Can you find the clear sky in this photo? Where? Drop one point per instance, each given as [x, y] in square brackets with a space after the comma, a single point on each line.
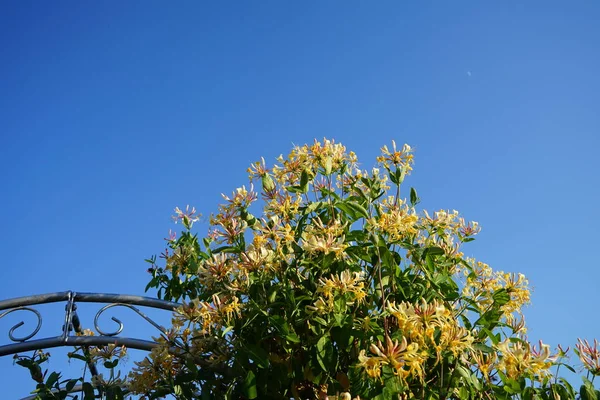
[112, 114]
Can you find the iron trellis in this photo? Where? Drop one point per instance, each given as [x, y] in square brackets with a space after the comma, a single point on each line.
[72, 329]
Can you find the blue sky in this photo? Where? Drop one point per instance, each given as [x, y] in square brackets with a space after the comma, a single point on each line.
[112, 115]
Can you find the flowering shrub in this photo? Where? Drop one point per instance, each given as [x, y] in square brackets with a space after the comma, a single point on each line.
[327, 283]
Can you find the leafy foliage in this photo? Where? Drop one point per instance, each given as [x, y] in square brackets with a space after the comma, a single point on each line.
[326, 283]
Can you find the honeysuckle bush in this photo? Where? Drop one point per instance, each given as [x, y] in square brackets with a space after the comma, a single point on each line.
[325, 282]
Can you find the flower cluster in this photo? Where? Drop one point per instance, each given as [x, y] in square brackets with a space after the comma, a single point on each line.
[521, 359]
[589, 356]
[347, 285]
[325, 239]
[482, 284]
[395, 220]
[404, 359]
[338, 285]
[396, 158]
[209, 316]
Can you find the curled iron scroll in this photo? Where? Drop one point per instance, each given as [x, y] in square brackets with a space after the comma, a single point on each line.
[118, 321]
[18, 325]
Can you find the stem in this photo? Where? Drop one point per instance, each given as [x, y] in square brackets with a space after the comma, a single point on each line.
[442, 394]
[379, 267]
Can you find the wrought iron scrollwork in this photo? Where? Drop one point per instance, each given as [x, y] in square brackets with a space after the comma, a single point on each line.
[19, 324]
[118, 321]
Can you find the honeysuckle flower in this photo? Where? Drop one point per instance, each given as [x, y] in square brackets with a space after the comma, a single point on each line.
[396, 158]
[329, 243]
[396, 220]
[520, 359]
[404, 359]
[589, 355]
[187, 217]
[485, 362]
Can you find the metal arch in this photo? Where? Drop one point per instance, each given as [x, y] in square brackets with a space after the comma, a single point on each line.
[72, 323]
[87, 298]
[76, 388]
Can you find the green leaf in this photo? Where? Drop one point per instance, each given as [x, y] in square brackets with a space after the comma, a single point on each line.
[414, 199]
[226, 331]
[225, 249]
[393, 176]
[360, 210]
[294, 189]
[429, 262]
[328, 165]
[115, 393]
[587, 391]
[111, 364]
[325, 354]
[273, 293]
[483, 348]
[511, 386]
[313, 207]
[469, 377]
[347, 209]
[249, 386]
[88, 391]
[52, 379]
[501, 297]
[258, 355]
[71, 384]
[567, 366]
[433, 251]
[393, 386]
[567, 387]
[489, 319]
[292, 337]
[304, 181]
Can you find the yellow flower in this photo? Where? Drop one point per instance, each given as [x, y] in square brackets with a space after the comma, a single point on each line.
[397, 158]
[485, 362]
[233, 307]
[216, 269]
[323, 244]
[396, 220]
[405, 359]
[258, 169]
[321, 306]
[420, 323]
[107, 352]
[152, 370]
[284, 206]
[371, 365]
[484, 282]
[518, 359]
[347, 282]
[256, 257]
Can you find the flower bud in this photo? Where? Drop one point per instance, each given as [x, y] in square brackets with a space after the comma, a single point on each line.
[267, 183]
